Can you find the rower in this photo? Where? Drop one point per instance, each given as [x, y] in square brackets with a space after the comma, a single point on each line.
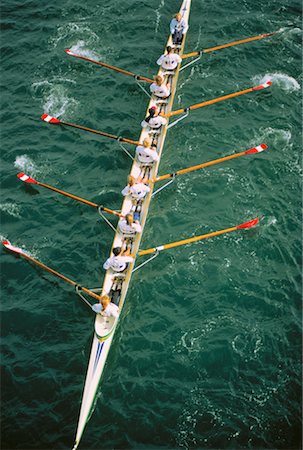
[119, 261]
[170, 60]
[147, 153]
[160, 88]
[178, 27]
[136, 188]
[153, 120]
[106, 308]
[129, 226]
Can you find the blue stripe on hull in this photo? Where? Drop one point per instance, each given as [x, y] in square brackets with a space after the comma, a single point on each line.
[98, 354]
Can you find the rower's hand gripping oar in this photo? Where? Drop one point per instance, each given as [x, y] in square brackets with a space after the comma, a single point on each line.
[108, 66]
[245, 225]
[230, 44]
[49, 119]
[258, 149]
[26, 179]
[219, 99]
[19, 251]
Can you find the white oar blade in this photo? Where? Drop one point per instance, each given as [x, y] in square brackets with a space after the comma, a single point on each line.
[23, 177]
[262, 86]
[49, 119]
[10, 247]
[258, 149]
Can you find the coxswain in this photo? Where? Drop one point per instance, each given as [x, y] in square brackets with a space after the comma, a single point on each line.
[178, 27]
[128, 225]
[169, 60]
[160, 88]
[147, 153]
[153, 120]
[136, 188]
[119, 261]
[106, 308]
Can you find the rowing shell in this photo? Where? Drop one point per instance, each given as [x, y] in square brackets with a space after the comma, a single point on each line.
[105, 327]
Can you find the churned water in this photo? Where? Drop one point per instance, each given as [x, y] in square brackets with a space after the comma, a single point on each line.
[207, 354]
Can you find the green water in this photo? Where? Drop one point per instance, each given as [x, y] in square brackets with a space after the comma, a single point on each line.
[207, 354]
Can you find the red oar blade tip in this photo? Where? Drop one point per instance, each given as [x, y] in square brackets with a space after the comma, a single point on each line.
[23, 177]
[6, 243]
[49, 119]
[258, 149]
[262, 86]
[69, 52]
[249, 224]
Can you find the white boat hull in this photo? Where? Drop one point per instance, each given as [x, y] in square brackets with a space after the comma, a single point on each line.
[100, 347]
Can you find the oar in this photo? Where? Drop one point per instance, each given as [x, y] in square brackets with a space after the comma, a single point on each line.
[108, 66]
[257, 149]
[230, 44]
[23, 177]
[19, 251]
[53, 120]
[219, 99]
[250, 224]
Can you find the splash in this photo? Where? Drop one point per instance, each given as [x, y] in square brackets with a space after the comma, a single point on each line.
[40, 87]
[275, 136]
[10, 208]
[80, 48]
[71, 30]
[25, 164]
[57, 101]
[284, 81]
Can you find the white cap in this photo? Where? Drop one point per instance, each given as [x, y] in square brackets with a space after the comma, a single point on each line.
[97, 308]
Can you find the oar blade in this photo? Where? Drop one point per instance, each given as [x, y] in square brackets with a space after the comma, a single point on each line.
[25, 178]
[69, 52]
[49, 119]
[258, 149]
[262, 86]
[6, 243]
[250, 224]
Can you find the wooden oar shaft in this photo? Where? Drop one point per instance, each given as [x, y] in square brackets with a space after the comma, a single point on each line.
[117, 69]
[209, 102]
[102, 133]
[111, 211]
[185, 241]
[79, 199]
[242, 41]
[230, 44]
[59, 275]
[199, 166]
[67, 194]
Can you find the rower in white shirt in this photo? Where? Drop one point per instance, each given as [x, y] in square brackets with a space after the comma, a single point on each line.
[146, 153]
[128, 225]
[153, 120]
[169, 60]
[160, 88]
[136, 188]
[106, 308]
[119, 261]
[178, 27]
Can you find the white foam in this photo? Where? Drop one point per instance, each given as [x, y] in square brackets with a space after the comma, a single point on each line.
[58, 102]
[72, 29]
[10, 208]
[284, 81]
[80, 48]
[275, 136]
[25, 164]
[158, 15]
